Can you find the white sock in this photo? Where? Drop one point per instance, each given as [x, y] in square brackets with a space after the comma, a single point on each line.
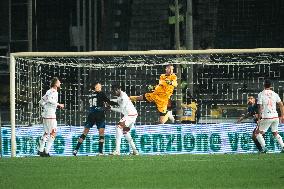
[118, 139]
[279, 140]
[49, 143]
[171, 117]
[261, 140]
[130, 141]
[42, 142]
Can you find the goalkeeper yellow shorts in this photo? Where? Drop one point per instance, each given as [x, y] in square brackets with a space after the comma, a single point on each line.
[161, 101]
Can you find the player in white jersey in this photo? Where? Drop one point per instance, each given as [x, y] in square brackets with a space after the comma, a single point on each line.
[267, 100]
[126, 107]
[49, 103]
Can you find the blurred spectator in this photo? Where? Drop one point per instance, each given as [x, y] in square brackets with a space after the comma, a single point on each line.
[190, 109]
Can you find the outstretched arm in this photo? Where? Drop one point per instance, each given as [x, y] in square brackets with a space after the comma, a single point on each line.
[244, 116]
[115, 109]
[107, 100]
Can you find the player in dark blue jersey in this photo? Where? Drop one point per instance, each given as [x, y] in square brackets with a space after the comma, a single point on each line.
[252, 111]
[98, 101]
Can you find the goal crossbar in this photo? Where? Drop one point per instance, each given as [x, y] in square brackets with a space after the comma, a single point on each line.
[150, 52]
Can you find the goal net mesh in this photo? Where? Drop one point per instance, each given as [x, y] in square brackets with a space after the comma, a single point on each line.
[217, 81]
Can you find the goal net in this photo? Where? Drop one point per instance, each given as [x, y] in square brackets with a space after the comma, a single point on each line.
[219, 81]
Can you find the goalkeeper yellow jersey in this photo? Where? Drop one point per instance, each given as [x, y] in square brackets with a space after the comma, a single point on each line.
[166, 85]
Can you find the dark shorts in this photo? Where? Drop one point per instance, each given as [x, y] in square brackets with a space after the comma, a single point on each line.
[96, 118]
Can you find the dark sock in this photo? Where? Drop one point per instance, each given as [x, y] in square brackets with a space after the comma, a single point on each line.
[79, 143]
[78, 146]
[101, 144]
[258, 146]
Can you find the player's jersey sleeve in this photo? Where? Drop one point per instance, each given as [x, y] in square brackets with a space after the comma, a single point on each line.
[53, 98]
[252, 110]
[125, 105]
[122, 102]
[162, 80]
[173, 78]
[277, 98]
[107, 100]
[256, 109]
[260, 98]
[49, 97]
[50, 103]
[118, 107]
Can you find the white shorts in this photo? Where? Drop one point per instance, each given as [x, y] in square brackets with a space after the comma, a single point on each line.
[129, 120]
[264, 124]
[49, 125]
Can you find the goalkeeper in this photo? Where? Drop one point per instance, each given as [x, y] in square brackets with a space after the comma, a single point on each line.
[161, 93]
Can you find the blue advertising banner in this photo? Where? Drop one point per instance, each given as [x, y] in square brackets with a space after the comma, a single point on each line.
[149, 139]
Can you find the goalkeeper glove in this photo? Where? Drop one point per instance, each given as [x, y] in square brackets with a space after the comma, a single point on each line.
[169, 82]
[150, 87]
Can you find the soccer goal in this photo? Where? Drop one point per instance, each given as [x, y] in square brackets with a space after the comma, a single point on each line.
[218, 80]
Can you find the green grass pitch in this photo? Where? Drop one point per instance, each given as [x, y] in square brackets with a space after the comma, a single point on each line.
[157, 171]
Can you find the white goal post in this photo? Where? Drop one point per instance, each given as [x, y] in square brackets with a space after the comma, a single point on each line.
[138, 62]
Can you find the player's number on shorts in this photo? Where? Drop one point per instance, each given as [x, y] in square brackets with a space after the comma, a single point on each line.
[93, 102]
